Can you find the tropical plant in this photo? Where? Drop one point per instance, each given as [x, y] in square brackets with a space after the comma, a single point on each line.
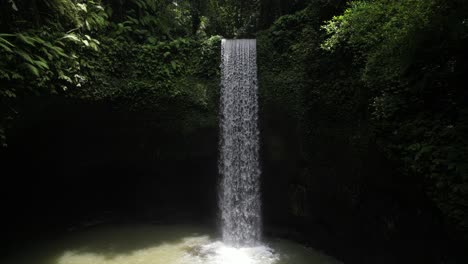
[409, 56]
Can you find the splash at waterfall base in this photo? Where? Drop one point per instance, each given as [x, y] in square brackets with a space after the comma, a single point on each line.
[161, 244]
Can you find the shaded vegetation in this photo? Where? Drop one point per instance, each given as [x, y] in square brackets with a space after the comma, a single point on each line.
[380, 82]
[410, 60]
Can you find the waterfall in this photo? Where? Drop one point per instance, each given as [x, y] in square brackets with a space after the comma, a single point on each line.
[239, 196]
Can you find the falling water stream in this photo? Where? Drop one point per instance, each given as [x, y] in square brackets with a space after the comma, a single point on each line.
[239, 197]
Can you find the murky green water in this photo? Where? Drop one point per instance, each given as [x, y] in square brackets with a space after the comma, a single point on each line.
[161, 245]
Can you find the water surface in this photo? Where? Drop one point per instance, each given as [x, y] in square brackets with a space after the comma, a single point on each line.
[148, 244]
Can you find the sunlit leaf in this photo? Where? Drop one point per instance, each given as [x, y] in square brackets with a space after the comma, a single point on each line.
[33, 69]
[73, 37]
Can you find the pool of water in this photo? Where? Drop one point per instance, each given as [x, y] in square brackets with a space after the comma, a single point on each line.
[151, 244]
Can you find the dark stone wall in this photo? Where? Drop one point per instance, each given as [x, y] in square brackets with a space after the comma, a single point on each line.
[71, 164]
[344, 198]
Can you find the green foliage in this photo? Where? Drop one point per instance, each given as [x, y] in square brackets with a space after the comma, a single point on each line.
[408, 53]
[385, 72]
[148, 21]
[46, 59]
[139, 54]
[297, 75]
[175, 79]
[284, 51]
[381, 33]
[233, 18]
[91, 16]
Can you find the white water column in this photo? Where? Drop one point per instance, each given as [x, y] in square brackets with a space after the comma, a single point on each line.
[239, 195]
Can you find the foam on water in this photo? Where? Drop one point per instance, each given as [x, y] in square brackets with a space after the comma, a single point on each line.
[218, 252]
[191, 250]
